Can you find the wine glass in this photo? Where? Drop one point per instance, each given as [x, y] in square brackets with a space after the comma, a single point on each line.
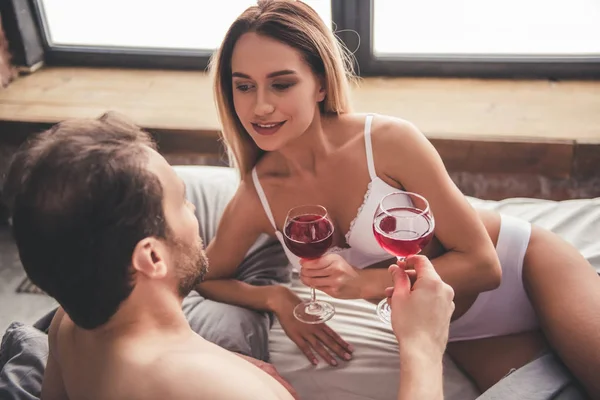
[308, 233]
[403, 225]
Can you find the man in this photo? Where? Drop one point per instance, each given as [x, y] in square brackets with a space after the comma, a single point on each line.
[102, 224]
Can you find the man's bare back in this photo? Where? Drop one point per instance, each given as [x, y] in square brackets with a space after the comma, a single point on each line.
[154, 364]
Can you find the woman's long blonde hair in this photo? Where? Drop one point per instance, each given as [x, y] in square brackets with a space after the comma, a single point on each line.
[299, 26]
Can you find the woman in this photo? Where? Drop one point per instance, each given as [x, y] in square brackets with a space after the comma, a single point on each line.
[281, 85]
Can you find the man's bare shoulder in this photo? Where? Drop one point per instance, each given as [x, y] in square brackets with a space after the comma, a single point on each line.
[202, 376]
[57, 329]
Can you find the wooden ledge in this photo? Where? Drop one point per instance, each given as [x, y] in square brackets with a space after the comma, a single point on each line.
[488, 126]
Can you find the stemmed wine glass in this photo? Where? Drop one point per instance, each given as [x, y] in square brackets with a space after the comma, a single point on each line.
[308, 233]
[403, 225]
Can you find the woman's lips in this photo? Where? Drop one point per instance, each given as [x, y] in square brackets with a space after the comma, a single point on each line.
[267, 129]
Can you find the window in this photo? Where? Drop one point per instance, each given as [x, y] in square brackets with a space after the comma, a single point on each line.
[187, 31]
[476, 38]
[176, 24]
[480, 38]
[487, 27]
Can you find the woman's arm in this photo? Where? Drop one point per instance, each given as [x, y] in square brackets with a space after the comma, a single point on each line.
[242, 221]
[404, 156]
[233, 291]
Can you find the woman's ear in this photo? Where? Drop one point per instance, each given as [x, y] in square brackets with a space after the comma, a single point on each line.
[322, 93]
[149, 258]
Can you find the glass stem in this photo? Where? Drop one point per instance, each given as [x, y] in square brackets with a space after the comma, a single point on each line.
[313, 295]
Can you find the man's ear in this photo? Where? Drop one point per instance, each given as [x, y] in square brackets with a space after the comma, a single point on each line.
[149, 258]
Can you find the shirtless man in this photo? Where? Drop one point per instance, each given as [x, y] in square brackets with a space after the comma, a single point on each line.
[102, 224]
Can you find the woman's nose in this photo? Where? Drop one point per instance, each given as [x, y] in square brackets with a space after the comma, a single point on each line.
[263, 105]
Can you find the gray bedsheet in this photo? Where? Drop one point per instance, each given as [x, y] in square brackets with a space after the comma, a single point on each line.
[542, 379]
[23, 355]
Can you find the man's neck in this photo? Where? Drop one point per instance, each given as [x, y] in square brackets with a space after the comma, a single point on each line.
[145, 313]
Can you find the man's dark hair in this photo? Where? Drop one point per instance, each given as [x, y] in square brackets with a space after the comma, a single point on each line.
[81, 198]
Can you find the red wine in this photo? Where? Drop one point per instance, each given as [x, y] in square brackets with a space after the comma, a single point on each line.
[308, 236]
[403, 232]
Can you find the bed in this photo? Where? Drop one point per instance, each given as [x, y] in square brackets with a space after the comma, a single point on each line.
[373, 373]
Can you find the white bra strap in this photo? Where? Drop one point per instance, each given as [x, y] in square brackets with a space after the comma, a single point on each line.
[369, 147]
[263, 198]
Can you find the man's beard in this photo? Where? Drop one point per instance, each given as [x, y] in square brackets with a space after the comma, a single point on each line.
[191, 265]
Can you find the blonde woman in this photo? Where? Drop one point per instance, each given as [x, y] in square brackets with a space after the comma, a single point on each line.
[282, 88]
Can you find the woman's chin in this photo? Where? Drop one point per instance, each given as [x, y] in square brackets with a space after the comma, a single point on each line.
[270, 148]
[267, 144]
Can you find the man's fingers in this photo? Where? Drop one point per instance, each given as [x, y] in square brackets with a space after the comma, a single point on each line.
[389, 291]
[422, 267]
[401, 280]
[412, 275]
[452, 308]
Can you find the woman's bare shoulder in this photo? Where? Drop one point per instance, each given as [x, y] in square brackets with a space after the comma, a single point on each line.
[387, 126]
[246, 201]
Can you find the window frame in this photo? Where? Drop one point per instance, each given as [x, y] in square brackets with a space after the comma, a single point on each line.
[349, 18]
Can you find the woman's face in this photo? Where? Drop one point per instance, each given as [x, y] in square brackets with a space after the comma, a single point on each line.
[275, 92]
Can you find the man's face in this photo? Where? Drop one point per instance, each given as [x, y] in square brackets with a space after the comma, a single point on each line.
[187, 259]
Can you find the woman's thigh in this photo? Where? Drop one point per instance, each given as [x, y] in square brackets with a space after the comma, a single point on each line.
[565, 292]
[488, 360]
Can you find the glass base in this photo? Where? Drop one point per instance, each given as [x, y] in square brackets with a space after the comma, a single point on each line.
[314, 312]
[384, 311]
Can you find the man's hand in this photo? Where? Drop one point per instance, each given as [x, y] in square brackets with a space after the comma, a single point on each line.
[270, 369]
[421, 321]
[421, 314]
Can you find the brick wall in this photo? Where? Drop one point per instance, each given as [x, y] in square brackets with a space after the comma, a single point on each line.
[498, 186]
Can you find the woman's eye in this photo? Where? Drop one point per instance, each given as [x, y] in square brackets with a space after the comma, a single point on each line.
[282, 86]
[243, 87]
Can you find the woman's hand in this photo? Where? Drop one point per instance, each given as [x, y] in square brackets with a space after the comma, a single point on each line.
[333, 275]
[309, 337]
